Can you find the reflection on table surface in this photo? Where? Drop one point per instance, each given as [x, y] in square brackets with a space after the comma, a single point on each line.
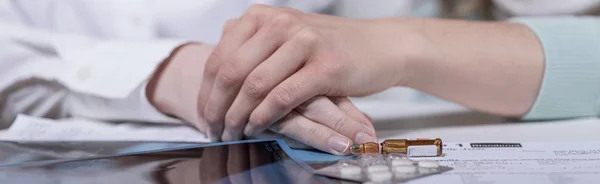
[259, 162]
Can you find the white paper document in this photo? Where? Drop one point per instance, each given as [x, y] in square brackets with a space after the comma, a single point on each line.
[27, 128]
[519, 163]
[473, 162]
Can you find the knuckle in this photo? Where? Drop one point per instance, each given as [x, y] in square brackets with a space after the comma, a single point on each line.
[213, 64]
[256, 11]
[291, 10]
[255, 88]
[331, 70]
[308, 35]
[228, 76]
[259, 119]
[230, 24]
[339, 122]
[284, 97]
[233, 122]
[282, 20]
[312, 135]
[258, 8]
[279, 25]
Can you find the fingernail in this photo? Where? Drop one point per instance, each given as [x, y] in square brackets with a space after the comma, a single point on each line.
[363, 137]
[214, 139]
[249, 130]
[339, 144]
[227, 136]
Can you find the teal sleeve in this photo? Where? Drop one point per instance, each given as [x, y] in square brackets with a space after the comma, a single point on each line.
[571, 82]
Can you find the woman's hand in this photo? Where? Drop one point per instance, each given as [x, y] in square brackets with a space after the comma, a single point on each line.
[272, 60]
[328, 124]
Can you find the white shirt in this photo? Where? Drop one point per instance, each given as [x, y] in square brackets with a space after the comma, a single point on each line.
[91, 58]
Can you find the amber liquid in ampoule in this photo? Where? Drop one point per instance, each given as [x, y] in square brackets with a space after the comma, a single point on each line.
[413, 147]
[369, 147]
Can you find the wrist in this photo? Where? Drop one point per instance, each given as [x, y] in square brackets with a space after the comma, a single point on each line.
[158, 77]
[410, 48]
[166, 90]
[492, 67]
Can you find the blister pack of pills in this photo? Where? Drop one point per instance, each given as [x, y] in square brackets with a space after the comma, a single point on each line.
[378, 168]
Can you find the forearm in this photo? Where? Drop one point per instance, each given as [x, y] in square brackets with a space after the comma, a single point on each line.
[173, 82]
[491, 67]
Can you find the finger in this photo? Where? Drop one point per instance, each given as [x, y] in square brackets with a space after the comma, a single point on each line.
[221, 73]
[313, 134]
[237, 63]
[238, 163]
[213, 63]
[232, 37]
[349, 108]
[323, 111]
[229, 25]
[297, 89]
[232, 74]
[213, 169]
[275, 69]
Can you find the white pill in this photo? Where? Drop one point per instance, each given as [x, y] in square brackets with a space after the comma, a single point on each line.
[401, 162]
[377, 168]
[405, 169]
[344, 163]
[380, 176]
[370, 156]
[429, 163]
[396, 156]
[368, 159]
[351, 170]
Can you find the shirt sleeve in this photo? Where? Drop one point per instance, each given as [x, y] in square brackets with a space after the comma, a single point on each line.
[571, 82]
[58, 75]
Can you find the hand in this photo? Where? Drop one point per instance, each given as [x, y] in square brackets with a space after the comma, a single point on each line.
[271, 60]
[328, 124]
